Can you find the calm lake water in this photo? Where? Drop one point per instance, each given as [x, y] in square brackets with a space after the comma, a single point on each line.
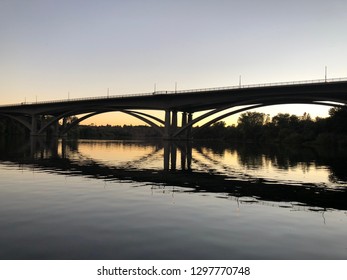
[141, 200]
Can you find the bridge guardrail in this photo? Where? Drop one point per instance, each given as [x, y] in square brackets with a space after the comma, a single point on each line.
[317, 81]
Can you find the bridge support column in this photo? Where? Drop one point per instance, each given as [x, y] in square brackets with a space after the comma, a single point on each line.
[184, 122]
[170, 124]
[54, 147]
[174, 121]
[33, 131]
[55, 127]
[189, 129]
[167, 124]
[63, 127]
[187, 118]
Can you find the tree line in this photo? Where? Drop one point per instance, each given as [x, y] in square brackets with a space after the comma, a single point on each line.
[283, 128]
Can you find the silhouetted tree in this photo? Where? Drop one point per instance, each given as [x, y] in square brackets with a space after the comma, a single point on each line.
[250, 124]
[338, 119]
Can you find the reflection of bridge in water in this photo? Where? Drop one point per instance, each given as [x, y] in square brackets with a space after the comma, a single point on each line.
[40, 149]
[69, 161]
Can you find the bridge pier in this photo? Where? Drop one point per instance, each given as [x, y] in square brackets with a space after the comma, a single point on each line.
[184, 122]
[171, 122]
[189, 129]
[34, 123]
[167, 134]
[174, 121]
[171, 125]
[186, 119]
[63, 127]
[41, 125]
[55, 129]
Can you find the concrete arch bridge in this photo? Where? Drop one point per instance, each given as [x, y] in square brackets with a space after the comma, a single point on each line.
[40, 117]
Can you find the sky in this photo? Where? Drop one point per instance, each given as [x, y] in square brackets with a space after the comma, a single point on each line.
[63, 49]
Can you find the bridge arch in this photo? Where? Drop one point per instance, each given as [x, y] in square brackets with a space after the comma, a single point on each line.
[139, 115]
[20, 120]
[55, 119]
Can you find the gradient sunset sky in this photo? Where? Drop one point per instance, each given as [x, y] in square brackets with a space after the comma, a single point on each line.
[79, 48]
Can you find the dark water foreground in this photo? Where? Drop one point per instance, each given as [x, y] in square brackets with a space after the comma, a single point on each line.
[162, 200]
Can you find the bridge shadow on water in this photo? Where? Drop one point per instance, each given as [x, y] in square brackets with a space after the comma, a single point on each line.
[184, 164]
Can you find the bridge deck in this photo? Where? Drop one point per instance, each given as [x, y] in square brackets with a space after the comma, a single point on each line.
[190, 91]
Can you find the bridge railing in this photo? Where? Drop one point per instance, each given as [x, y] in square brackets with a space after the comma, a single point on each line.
[317, 81]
